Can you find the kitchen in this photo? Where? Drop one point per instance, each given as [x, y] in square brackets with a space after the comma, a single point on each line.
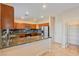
[19, 32]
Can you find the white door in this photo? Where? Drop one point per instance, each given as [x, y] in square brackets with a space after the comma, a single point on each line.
[73, 34]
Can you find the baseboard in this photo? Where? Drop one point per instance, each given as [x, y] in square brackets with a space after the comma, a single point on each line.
[73, 44]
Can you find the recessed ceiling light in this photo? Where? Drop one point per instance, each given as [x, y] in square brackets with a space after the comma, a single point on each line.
[27, 13]
[42, 16]
[44, 6]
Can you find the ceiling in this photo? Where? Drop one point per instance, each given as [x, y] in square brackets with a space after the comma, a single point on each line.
[36, 11]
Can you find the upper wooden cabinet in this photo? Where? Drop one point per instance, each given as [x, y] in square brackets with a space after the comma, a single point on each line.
[0, 16]
[21, 25]
[6, 17]
[45, 24]
[31, 26]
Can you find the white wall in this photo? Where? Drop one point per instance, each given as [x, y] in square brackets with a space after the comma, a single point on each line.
[71, 15]
[58, 29]
[61, 21]
[51, 26]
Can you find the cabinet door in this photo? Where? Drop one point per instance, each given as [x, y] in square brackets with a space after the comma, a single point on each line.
[33, 26]
[19, 26]
[0, 16]
[7, 17]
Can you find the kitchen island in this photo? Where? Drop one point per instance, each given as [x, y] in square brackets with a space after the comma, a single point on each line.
[18, 37]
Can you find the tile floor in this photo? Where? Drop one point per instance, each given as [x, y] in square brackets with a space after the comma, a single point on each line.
[41, 48]
[71, 50]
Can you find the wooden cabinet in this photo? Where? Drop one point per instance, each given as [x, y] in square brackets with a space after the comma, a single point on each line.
[37, 26]
[18, 26]
[6, 16]
[45, 24]
[31, 26]
[21, 25]
[0, 16]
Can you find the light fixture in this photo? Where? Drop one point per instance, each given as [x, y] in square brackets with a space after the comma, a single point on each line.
[26, 13]
[42, 16]
[44, 6]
